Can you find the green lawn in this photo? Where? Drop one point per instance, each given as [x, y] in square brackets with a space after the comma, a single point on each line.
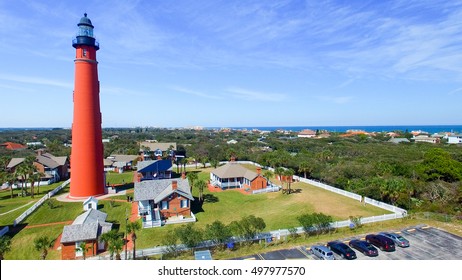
[7, 203]
[22, 247]
[119, 178]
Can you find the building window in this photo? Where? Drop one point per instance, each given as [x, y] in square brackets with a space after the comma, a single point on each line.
[85, 52]
[184, 203]
[164, 205]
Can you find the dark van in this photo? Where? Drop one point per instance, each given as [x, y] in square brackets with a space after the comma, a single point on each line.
[382, 242]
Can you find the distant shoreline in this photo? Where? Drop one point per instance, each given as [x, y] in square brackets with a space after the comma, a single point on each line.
[367, 128]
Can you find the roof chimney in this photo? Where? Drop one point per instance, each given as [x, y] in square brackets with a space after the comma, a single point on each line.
[174, 185]
[259, 170]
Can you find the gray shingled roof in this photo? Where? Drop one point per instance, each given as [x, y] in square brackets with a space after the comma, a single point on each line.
[80, 232]
[159, 189]
[123, 158]
[234, 170]
[46, 161]
[59, 160]
[90, 216]
[87, 226]
[14, 162]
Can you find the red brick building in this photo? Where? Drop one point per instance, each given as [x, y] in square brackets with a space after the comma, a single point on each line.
[233, 175]
[160, 200]
[86, 228]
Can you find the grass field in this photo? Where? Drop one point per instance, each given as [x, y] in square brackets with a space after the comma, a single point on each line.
[278, 210]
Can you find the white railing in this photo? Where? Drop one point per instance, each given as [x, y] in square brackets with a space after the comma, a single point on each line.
[39, 203]
[180, 221]
[329, 188]
[4, 231]
[266, 190]
[385, 206]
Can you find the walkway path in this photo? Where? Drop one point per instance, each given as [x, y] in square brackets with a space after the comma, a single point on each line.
[65, 197]
[217, 189]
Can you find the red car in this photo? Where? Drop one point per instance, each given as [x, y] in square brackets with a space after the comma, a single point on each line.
[382, 242]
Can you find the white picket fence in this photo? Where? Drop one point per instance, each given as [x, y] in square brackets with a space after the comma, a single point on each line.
[274, 188]
[39, 203]
[4, 231]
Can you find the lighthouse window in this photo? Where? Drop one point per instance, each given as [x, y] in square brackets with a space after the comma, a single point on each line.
[84, 52]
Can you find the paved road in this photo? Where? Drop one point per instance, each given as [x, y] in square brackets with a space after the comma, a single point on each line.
[427, 243]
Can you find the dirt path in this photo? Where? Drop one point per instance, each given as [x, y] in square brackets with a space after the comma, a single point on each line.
[50, 224]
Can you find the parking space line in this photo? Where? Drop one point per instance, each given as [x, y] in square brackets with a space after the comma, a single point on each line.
[411, 230]
[250, 259]
[304, 253]
[426, 227]
[261, 257]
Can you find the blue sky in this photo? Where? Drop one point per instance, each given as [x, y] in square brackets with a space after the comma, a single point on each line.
[237, 63]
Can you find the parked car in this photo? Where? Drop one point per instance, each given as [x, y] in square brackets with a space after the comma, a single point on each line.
[398, 239]
[342, 249]
[364, 247]
[382, 242]
[322, 252]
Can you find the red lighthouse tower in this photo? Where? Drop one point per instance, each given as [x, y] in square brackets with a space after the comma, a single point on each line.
[87, 170]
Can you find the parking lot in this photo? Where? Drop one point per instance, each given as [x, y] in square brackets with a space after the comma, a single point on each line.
[426, 243]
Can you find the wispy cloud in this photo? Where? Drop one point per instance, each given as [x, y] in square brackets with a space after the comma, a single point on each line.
[456, 91]
[118, 91]
[344, 84]
[252, 95]
[336, 99]
[194, 92]
[35, 80]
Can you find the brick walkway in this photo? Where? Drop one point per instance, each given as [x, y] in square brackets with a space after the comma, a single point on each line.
[217, 189]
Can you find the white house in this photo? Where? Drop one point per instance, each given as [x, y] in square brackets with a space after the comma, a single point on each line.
[90, 203]
[307, 133]
[455, 139]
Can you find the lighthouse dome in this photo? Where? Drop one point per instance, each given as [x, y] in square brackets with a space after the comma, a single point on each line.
[85, 21]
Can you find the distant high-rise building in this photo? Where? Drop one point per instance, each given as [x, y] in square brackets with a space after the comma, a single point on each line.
[87, 170]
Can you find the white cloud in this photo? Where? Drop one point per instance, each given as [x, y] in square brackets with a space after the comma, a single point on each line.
[194, 92]
[336, 99]
[35, 80]
[252, 95]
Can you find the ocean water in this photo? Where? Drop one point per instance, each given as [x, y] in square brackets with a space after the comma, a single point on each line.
[379, 128]
[382, 128]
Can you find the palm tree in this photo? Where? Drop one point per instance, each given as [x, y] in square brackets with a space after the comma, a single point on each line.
[289, 173]
[42, 244]
[279, 171]
[268, 175]
[10, 178]
[24, 170]
[114, 243]
[200, 185]
[34, 177]
[37, 178]
[83, 248]
[5, 246]
[305, 167]
[21, 172]
[192, 176]
[132, 227]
